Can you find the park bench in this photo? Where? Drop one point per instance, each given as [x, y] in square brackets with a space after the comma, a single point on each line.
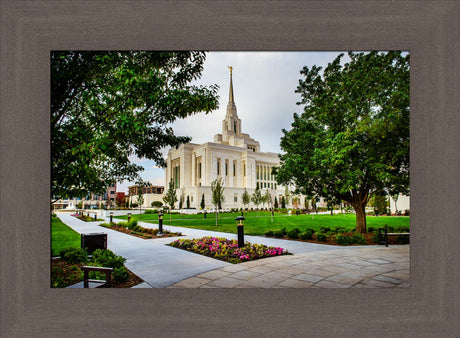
[93, 283]
[384, 234]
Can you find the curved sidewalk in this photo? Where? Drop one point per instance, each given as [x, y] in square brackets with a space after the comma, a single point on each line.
[312, 265]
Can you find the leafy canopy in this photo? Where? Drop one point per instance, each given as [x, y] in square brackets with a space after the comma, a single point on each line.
[353, 137]
[109, 106]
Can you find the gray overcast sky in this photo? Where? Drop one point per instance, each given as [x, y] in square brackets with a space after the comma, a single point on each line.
[264, 86]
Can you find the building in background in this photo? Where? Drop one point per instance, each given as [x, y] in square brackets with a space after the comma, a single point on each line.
[234, 157]
[150, 194]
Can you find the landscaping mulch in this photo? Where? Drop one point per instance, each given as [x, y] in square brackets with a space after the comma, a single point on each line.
[64, 274]
[149, 234]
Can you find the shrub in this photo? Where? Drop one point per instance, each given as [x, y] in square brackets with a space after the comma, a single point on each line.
[339, 230]
[107, 258]
[324, 229]
[406, 212]
[321, 237]
[403, 239]
[278, 233]
[157, 204]
[358, 238]
[370, 229]
[151, 211]
[123, 224]
[343, 239]
[310, 230]
[294, 233]
[307, 235]
[74, 255]
[375, 237]
[269, 233]
[403, 229]
[120, 275]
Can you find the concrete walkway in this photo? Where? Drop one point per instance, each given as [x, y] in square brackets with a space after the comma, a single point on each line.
[312, 265]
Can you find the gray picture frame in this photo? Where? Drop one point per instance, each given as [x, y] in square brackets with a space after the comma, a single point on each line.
[31, 29]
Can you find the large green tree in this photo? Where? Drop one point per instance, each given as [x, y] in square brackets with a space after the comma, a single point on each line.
[353, 137]
[107, 107]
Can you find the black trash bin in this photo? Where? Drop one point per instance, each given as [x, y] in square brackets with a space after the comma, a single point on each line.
[93, 241]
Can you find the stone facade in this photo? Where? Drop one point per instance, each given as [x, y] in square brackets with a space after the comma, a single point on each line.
[234, 157]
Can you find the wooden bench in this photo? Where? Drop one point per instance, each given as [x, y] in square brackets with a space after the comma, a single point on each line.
[94, 283]
[384, 234]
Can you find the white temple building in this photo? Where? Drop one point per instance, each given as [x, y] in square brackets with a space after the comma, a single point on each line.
[233, 156]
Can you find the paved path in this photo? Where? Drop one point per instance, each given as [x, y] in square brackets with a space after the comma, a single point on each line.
[312, 265]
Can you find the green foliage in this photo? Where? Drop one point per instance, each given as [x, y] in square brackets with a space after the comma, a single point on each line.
[343, 239]
[307, 235]
[188, 202]
[202, 203]
[269, 233]
[157, 204]
[170, 198]
[321, 237]
[283, 202]
[151, 211]
[325, 229]
[107, 258]
[74, 255]
[353, 136]
[346, 239]
[217, 189]
[257, 197]
[358, 238]
[245, 197]
[107, 106]
[275, 204]
[120, 275]
[379, 202]
[403, 239]
[294, 233]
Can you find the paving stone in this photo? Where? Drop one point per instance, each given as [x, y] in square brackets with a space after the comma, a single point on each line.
[225, 282]
[378, 261]
[234, 268]
[379, 284]
[261, 269]
[387, 279]
[193, 282]
[214, 274]
[245, 275]
[294, 283]
[308, 278]
[344, 279]
[329, 284]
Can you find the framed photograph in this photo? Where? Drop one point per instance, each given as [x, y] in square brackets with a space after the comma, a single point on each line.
[428, 32]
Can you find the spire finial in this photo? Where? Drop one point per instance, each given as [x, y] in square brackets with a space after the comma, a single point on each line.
[231, 68]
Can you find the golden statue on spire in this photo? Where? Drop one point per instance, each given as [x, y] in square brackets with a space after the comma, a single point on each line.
[231, 68]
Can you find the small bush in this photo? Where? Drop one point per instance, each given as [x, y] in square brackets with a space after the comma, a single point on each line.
[120, 275]
[269, 233]
[107, 258]
[321, 237]
[358, 238]
[370, 229]
[310, 230]
[294, 233]
[339, 230]
[151, 211]
[279, 233]
[324, 229]
[403, 239]
[123, 224]
[74, 255]
[307, 235]
[403, 229]
[406, 212]
[343, 239]
[375, 237]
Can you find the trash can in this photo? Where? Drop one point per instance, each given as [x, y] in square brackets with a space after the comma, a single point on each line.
[93, 241]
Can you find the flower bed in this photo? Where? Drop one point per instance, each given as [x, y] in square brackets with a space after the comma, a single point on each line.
[227, 250]
[86, 218]
[133, 229]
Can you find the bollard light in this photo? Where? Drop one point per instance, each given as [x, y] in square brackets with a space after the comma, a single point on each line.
[111, 217]
[240, 226]
[160, 224]
[129, 217]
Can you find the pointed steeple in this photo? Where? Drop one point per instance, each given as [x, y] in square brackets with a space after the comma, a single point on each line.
[231, 107]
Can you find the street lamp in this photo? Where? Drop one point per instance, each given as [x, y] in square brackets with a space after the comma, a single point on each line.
[129, 217]
[240, 226]
[160, 224]
[111, 216]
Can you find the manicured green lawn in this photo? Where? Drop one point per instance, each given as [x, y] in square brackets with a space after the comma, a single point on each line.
[259, 225]
[62, 236]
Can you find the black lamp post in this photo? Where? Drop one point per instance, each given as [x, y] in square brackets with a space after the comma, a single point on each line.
[160, 224]
[240, 226]
[205, 214]
[111, 217]
[129, 217]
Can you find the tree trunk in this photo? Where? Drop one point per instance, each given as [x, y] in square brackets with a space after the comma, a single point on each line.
[360, 218]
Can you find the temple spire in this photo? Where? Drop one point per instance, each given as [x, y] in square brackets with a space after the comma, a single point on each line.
[231, 101]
